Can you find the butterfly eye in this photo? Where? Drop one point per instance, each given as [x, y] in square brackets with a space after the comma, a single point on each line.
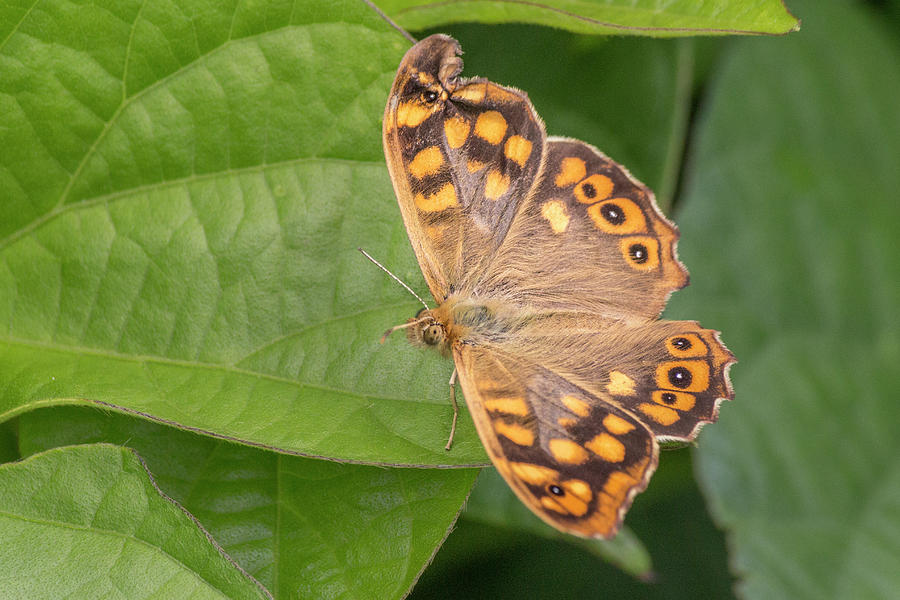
[429, 96]
[433, 334]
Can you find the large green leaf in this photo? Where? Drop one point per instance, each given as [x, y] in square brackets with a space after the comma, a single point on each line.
[182, 244]
[622, 17]
[184, 192]
[303, 528]
[790, 228]
[89, 522]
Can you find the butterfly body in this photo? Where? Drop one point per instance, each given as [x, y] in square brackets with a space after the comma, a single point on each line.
[550, 265]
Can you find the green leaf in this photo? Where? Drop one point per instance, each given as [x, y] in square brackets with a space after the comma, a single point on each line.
[89, 522]
[184, 192]
[302, 527]
[631, 17]
[790, 231]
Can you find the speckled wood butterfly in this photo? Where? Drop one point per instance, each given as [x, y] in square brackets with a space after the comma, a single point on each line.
[550, 265]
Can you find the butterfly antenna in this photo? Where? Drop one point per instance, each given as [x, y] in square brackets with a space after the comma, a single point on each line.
[390, 21]
[397, 279]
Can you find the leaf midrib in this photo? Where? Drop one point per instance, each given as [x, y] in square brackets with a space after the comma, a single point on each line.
[147, 359]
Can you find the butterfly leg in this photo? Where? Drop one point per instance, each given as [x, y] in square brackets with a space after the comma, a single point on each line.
[455, 409]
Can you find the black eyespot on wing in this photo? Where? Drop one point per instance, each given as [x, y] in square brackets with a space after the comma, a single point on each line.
[682, 343]
[555, 490]
[639, 253]
[680, 377]
[613, 213]
[429, 96]
[668, 398]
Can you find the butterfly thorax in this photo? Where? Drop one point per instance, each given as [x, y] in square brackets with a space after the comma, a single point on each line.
[464, 320]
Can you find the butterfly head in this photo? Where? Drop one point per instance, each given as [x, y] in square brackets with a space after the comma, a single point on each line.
[427, 330]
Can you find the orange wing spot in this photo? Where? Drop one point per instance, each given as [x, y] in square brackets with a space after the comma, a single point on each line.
[441, 199]
[661, 414]
[677, 400]
[579, 488]
[607, 447]
[457, 130]
[593, 189]
[495, 185]
[567, 504]
[491, 127]
[620, 384]
[686, 345]
[640, 252]
[435, 232]
[567, 451]
[577, 405]
[474, 92]
[566, 422]
[618, 216]
[617, 425]
[571, 170]
[533, 474]
[517, 149]
[617, 486]
[501, 94]
[424, 78]
[474, 166]
[512, 405]
[514, 433]
[683, 375]
[427, 162]
[557, 215]
[412, 114]
[720, 353]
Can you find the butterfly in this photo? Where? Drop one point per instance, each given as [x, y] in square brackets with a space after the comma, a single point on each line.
[550, 265]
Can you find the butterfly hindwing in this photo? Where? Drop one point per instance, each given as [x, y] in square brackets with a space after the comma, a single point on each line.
[672, 375]
[573, 458]
[462, 154]
[680, 388]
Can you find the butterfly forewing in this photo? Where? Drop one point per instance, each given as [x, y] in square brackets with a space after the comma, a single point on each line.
[590, 238]
[462, 155]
